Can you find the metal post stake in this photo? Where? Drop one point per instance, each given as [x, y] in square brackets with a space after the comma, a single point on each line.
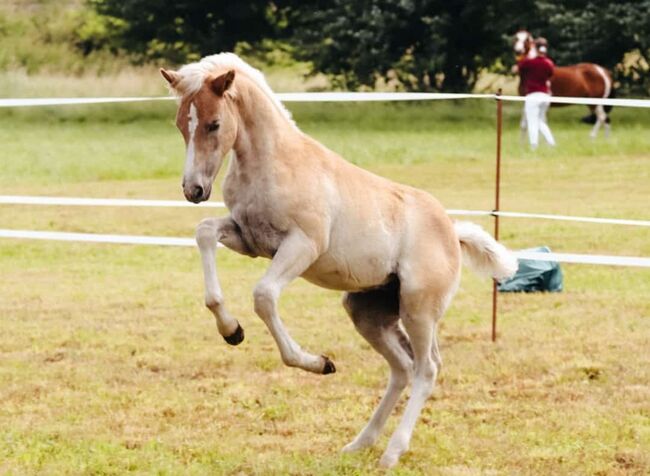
[496, 209]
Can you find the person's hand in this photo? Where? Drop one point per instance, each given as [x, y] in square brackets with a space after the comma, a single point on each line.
[514, 69]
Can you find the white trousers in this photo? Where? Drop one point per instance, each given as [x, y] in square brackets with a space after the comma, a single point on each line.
[535, 108]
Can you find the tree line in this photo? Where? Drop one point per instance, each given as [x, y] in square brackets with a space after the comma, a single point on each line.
[424, 45]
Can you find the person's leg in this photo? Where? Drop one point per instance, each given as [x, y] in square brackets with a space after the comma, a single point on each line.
[543, 125]
[531, 106]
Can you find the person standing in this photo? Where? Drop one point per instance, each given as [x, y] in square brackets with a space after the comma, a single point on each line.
[535, 75]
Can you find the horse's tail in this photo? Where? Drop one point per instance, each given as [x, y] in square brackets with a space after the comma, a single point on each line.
[482, 253]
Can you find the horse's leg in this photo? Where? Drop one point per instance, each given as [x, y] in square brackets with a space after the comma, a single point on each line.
[208, 233]
[294, 256]
[375, 315]
[424, 296]
[601, 119]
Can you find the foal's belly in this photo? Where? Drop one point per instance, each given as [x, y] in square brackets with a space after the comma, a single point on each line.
[349, 272]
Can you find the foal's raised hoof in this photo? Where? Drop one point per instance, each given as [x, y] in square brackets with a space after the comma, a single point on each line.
[236, 337]
[329, 367]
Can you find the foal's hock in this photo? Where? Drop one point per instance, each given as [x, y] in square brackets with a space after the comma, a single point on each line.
[391, 248]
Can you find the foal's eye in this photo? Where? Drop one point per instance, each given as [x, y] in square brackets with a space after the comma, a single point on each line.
[213, 126]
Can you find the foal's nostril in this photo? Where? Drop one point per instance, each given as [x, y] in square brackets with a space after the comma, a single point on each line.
[197, 192]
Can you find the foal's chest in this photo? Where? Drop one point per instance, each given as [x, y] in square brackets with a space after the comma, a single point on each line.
[258, 230]
[254, 205]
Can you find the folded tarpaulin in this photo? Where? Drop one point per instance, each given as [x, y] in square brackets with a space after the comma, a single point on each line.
[534, 276]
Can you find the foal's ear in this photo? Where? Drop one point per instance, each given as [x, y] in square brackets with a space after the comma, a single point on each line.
[220, 84]
[172, 77]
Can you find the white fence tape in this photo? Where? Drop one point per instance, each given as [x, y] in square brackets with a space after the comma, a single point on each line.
[126, 202]
[369, 97]
[609, 221]
[102, 202]
[587, 101]
[97, 238]
[29, 102]
[585, 259]
[331, 97]
[187, 242]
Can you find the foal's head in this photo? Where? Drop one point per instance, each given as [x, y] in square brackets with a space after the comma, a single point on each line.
[207, 120]
[523, 42]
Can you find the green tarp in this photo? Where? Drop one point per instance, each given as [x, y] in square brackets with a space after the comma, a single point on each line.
[534, 276]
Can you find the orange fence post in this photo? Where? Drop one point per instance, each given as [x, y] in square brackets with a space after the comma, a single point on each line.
[496, 209]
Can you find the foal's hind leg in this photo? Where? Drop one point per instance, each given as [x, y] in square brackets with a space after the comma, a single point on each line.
[421, 306]
[375, 315]
[208, 233]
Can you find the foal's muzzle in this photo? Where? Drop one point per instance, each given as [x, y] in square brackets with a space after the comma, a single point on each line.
[196, 193]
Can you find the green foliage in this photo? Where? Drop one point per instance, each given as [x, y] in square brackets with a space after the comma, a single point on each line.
[436, 44]
[404, 44]
[429, 44]
[45, 36]
[98, 32]
[181, 31]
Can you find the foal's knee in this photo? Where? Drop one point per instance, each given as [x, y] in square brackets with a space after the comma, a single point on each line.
[205, 234]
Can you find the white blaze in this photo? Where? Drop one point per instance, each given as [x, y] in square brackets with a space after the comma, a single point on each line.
[192, 123]
[521, 38]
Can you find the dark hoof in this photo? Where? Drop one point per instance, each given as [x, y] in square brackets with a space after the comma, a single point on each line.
[236, 337]
[329, 366]
[589, 119]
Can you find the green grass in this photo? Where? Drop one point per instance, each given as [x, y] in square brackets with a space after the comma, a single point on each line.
[110, 364]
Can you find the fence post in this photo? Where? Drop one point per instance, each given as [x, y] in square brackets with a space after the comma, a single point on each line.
[497, 189]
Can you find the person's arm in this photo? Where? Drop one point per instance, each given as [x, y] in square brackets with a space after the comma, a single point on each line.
[523, 65]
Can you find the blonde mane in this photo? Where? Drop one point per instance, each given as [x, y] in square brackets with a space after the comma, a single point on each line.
[193, 75]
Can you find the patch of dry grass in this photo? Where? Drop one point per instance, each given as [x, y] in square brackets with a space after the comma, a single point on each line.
[110, 364]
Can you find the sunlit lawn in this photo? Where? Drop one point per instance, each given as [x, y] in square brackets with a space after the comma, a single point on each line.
[109, 363]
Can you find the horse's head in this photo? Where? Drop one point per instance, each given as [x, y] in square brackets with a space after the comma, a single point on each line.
[207, 120]
[522, 43]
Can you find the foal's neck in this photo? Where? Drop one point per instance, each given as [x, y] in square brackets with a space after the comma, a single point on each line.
[263, 130]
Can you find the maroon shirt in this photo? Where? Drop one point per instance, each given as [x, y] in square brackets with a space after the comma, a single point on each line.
[535, 74]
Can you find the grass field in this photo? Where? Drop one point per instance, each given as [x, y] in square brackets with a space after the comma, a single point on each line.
[110, 364]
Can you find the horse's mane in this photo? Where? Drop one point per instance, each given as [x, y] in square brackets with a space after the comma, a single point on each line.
[193, 75]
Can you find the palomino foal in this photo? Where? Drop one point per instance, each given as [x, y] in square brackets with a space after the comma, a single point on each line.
[392, 248]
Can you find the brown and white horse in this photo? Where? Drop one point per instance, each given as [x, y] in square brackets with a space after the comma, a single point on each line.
[587, 80]
[393, 249]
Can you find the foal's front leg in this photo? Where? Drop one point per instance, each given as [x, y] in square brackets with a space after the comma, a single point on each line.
[208, 233]
[295, 255]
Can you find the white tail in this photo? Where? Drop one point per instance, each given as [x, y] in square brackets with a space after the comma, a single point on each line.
[483, 254]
